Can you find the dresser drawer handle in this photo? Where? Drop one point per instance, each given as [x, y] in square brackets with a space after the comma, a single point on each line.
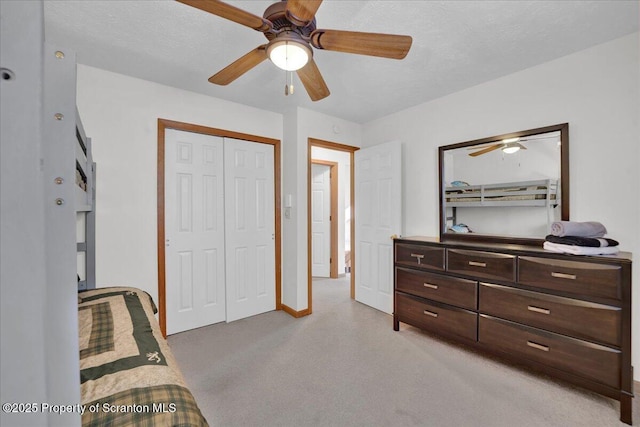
[564, 275]
[430, 313]
[429, 285]
[418, 257]
[537, 346]
[478, 264]
[538, 309]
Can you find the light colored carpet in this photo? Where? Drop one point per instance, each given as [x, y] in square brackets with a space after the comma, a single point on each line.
[345, 366]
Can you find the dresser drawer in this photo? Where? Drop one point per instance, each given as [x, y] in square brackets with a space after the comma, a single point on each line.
[436, 317]
[419, 256]
[581, 278]
[451, 290]
[486, 265]
[580, 319]
[582, 358]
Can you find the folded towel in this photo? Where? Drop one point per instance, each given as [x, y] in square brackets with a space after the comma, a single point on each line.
[582, 241]
[581, 229]
[579, 250]
[460, 228]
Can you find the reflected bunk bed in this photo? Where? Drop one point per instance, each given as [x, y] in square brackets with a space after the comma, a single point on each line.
[536, 193]
[525, 193]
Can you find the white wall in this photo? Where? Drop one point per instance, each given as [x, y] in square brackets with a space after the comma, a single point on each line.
[596, 91]
[120, 114]
[292, 168]
[308, 124]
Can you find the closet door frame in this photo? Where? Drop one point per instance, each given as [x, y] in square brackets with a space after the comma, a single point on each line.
[164, 124]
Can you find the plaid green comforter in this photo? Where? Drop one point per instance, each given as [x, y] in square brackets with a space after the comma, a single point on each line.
[127, 372]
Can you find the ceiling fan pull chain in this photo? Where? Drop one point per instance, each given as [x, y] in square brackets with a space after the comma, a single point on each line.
[291, 82]
[288, 83]
[286, 86]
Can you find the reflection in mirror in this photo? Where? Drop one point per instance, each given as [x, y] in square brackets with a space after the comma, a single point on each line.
[509, 185]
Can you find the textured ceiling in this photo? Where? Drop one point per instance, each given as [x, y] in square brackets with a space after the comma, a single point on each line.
[456, 44]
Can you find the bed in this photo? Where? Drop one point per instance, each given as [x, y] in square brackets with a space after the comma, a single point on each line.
[127, 372]
[526, 193]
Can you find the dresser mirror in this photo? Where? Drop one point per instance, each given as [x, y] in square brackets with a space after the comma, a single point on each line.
[506, 188]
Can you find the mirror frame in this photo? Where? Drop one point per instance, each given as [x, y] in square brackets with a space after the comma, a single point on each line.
[490, 238]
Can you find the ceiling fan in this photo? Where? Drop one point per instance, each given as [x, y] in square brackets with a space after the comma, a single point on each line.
[290, 28]
[509, 145]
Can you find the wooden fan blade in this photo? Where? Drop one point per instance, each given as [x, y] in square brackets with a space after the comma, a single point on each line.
[372, 44]
[476, 147]
[313, 82]
[533, 138]
[231, 13]
[240, 66]
[486, 150]
[301, 12]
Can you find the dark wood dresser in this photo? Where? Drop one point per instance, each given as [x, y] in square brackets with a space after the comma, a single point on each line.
[567, 316]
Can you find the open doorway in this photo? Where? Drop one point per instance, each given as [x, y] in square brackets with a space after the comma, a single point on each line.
[327, 214]
[330, 168]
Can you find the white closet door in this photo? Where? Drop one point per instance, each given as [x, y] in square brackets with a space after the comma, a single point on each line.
[320, 220]
[378, 190]
[250, 228]
[194, 229]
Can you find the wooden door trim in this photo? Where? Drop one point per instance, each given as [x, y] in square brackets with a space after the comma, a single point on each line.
[164, 124]
[313, 142]
[333, 209]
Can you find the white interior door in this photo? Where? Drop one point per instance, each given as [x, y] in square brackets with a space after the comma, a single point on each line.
[250, 228]
[320, 220]
[194, 229]
[378, 216]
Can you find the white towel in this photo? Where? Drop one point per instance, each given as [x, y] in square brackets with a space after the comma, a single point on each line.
[581, 229]
[579, 250]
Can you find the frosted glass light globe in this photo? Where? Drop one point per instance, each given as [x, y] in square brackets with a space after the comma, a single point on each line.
[289, 56]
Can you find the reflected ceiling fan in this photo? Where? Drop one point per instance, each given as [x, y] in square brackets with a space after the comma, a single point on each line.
[509, 145]
[290, 28]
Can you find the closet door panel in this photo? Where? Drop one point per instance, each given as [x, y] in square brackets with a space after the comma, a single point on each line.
[194, 230]
[250, 228]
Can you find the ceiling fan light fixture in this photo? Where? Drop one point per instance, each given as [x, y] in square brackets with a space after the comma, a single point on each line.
[511, 147]
[289, 55]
